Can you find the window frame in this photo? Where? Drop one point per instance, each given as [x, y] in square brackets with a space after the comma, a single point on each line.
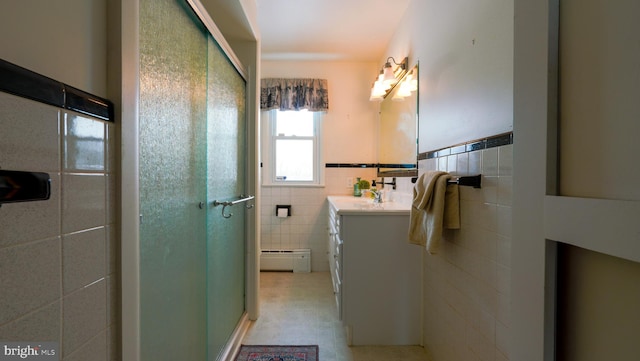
[269, 138]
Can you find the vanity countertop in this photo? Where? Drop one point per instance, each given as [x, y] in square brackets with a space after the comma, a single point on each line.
[365, 206]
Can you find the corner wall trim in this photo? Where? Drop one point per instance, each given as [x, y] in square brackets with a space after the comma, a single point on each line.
[31, 85]
[370, 165]
[479, 144]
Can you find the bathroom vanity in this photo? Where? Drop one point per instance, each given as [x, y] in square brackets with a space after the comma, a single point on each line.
[376, 273]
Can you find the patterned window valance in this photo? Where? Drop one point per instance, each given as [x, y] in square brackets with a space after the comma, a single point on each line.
[294, 94]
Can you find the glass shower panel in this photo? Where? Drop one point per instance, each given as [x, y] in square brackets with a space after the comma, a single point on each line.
[226, 181]
[173, 81]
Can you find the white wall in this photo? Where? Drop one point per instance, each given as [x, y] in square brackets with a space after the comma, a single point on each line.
[466, 284]
[64, 39]
[465, 52]
[600, 83]
[59, 257]
[597, 139]
[349, 136]
[465, 55]
[598, 129]
[350, 127]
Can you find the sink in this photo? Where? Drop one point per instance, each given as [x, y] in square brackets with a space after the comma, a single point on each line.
[354, 204]
[368, 205]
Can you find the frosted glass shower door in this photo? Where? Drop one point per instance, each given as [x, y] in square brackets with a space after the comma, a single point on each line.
[192, 152]
[173, 87]
[226, 154]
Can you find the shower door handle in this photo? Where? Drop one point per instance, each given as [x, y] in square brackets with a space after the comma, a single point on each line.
[225, 204]
[242, 199]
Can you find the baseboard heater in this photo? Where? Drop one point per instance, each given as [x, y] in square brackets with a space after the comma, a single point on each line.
[296, 260]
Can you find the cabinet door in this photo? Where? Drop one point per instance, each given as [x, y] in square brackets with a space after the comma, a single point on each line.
[335, 257]
[331, 244]
[381, 281]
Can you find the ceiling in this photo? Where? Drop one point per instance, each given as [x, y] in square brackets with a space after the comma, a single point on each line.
[355, 30]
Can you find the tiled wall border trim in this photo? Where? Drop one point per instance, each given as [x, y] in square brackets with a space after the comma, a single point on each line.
[486, 143]
[351, 165]
[28, 84]
[368, 165]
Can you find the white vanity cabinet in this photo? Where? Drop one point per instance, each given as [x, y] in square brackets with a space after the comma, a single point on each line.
[335, 256]
[376, 273]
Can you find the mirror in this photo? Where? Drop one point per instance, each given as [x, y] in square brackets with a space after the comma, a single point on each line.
[397, 137]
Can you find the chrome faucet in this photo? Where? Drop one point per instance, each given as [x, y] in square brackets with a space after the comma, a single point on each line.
[377, 195]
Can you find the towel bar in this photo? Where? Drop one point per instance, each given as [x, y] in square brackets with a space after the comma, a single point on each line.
[474, 181]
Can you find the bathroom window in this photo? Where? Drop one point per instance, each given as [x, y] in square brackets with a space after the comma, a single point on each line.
[291, 153]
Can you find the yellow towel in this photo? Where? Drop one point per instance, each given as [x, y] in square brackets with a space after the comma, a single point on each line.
[452, 207]
[434, 206]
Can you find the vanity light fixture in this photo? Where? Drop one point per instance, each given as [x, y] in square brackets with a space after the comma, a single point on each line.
[403, 92]
[409, 84]
[378, 91]
[388, 78]
[412, 81]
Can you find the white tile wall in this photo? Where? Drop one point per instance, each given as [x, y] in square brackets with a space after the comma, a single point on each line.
[466, 284]
[83, 258]
[58, 258]
[307, 226]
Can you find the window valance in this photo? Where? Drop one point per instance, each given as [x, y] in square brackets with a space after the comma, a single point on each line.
[294, 94]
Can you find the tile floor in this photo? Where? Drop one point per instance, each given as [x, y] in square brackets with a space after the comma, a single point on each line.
[299, 309]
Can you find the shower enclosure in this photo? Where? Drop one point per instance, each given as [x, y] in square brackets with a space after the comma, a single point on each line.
[192, 151]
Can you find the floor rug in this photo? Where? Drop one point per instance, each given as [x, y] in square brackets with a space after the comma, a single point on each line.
[277, 353]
